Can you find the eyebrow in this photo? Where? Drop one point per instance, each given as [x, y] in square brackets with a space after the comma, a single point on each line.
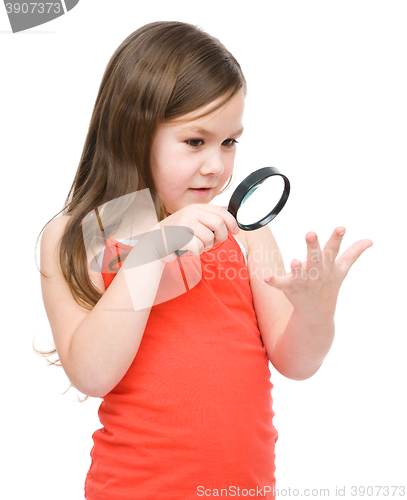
[202, 131]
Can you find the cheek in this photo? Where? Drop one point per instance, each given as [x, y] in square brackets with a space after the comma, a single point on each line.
[172, 160]
[174, 169]
[180, 171]
[229, 163]
[173, 181]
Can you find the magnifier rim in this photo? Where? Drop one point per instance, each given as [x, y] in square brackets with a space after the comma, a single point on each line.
[246, 185]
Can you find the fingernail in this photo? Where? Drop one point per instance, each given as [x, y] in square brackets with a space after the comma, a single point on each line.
[267, 277]
[341, 233]
[311, 240]
[236, 230]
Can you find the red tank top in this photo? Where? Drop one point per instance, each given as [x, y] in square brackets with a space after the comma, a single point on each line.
[194, 410]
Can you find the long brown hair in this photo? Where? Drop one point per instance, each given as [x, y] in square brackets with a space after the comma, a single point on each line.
[161, 71]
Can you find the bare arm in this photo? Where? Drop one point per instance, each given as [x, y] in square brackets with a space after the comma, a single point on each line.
[303, 346]
[296, 311]
[106, 341]
[96, 347]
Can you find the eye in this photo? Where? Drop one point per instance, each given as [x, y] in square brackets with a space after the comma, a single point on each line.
[192, 141]
[233, 141]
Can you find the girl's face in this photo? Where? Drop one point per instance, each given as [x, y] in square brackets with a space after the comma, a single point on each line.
[196, 154]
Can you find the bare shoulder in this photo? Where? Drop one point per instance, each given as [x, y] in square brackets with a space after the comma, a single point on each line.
[50, 240]
[263, 238]
[50, 244]
[55, 229]
[56, 226]
[241, 236]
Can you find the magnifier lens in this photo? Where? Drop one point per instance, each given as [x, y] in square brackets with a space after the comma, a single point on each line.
[252, 190]
[260, 200]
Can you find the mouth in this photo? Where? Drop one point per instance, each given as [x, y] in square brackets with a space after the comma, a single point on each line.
[201, 191]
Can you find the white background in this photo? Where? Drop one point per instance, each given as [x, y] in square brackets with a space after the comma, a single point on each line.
[327, 105]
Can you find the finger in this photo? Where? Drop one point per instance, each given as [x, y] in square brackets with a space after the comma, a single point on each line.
[351, 255]
[280, 282]
[212, 230]
[333, 245]
[296, 268]
[228, 219]
[314, 256]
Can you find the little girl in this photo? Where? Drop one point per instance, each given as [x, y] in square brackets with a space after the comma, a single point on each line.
[185, 382]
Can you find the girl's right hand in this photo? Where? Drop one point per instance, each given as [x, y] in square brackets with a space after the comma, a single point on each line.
[210, 225]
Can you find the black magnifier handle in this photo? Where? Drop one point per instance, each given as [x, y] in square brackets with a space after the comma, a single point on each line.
[248, 186]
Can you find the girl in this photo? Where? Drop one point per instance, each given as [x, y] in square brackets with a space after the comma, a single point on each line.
[185, 382]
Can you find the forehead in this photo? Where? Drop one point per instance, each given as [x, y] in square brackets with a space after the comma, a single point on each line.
[230, 114]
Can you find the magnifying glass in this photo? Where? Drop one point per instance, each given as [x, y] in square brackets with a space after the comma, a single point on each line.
[258, 199]
[263, 193]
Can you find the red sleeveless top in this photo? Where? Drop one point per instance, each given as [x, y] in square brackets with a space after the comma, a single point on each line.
[194, 410]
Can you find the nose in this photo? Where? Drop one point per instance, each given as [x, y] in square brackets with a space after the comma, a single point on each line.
[213, 165]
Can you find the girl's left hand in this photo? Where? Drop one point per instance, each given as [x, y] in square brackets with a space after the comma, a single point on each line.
[312, 287]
